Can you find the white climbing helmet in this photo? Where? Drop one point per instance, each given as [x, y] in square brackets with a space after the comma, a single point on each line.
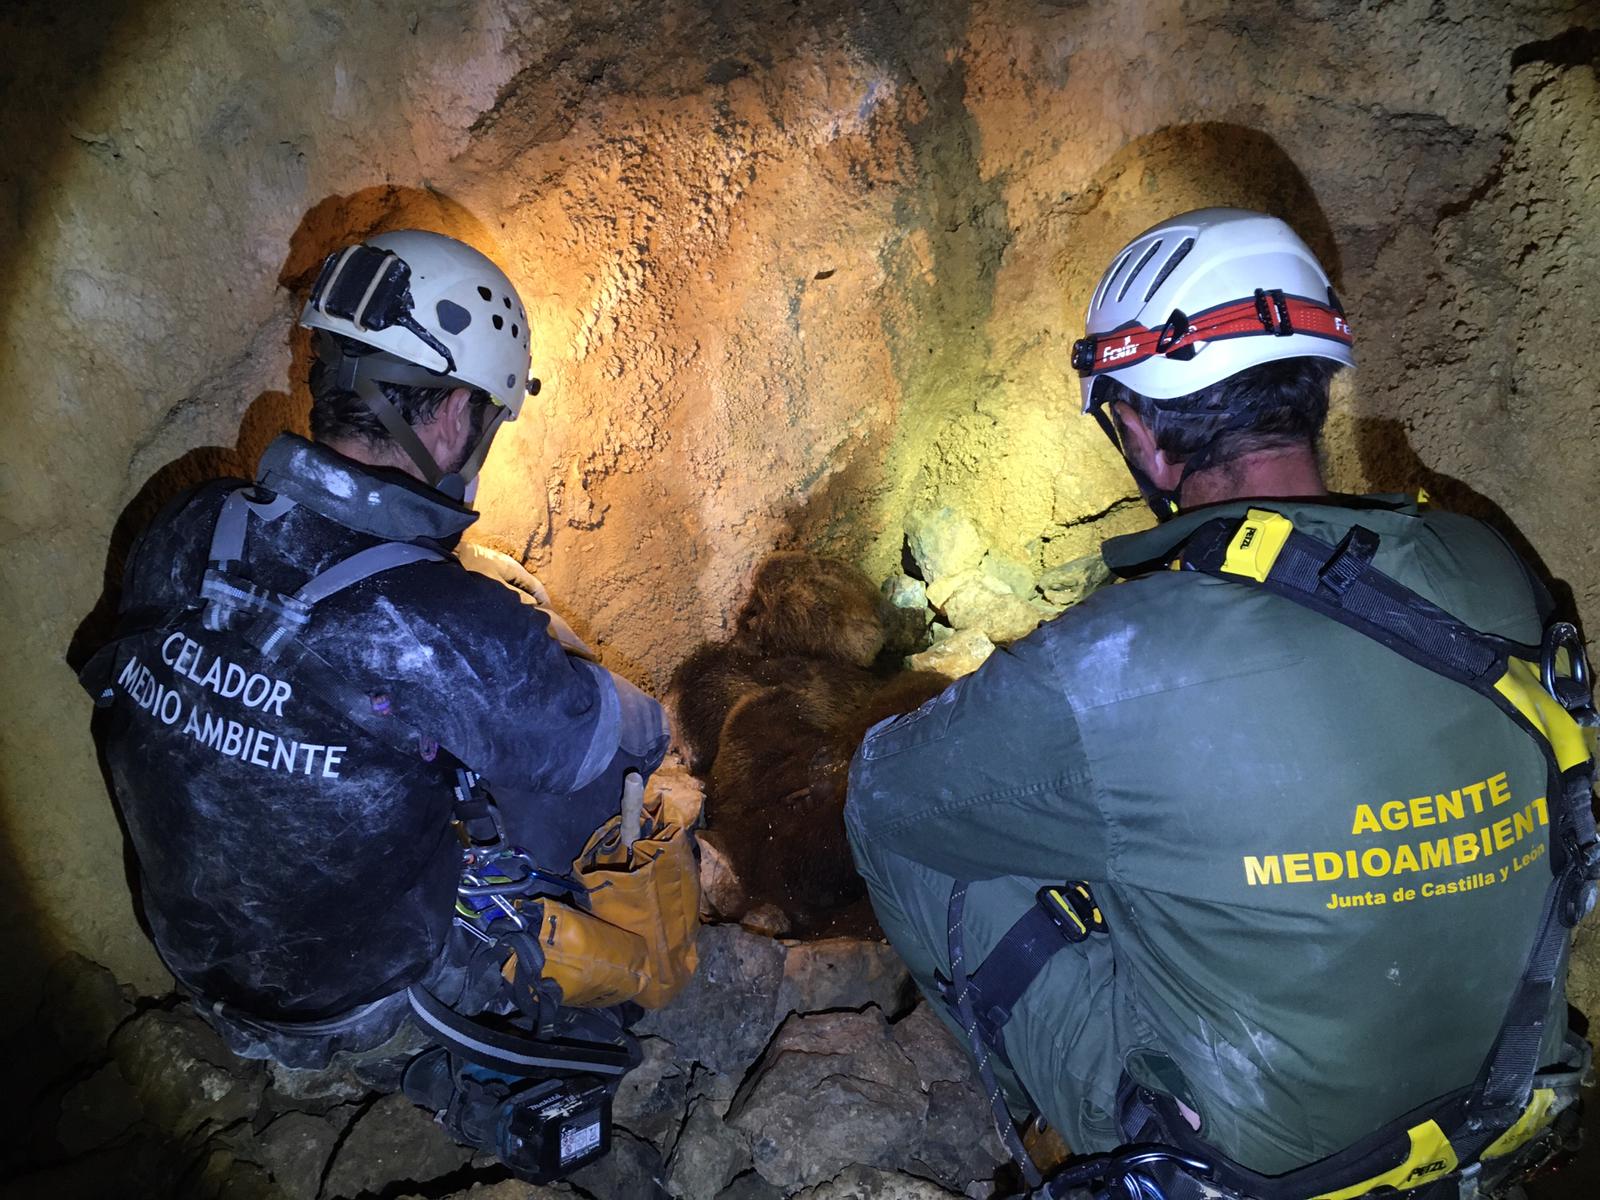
[429, 300]
[1203, 296]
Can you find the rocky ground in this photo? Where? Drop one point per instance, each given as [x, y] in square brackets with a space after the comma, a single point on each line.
[805, 1070]
[785, 1069]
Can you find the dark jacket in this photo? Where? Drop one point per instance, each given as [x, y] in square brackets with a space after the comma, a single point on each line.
[1322, 865]
[291, 864]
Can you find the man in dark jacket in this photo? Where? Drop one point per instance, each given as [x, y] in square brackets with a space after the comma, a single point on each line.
[1313, 867]
[306, 668]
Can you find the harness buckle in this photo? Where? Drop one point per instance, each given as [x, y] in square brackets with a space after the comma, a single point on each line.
[1072, 909]
[1274, 316]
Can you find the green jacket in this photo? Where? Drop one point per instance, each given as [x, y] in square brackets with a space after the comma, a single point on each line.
[1322, 866]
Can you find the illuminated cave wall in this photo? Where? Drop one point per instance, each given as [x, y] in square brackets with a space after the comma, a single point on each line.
[794, 268]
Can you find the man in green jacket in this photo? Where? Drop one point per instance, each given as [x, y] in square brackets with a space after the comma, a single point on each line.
[1319, 866]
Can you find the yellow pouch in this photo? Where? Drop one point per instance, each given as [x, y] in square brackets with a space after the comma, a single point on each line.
[652, 889]
[637, 941]
[593, 962]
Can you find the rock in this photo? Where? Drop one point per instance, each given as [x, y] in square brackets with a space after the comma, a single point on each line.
[959, 654]
[97, 1111]
[932, 1046]
[718, 1086]
[183, 1074]
[135, 1167]
[721, 891]
[724, 1016]
[709, 1153]
[85, 1004]
[766, 919]
[220, 1174]
[906, 614]
[295, 1148]
[980, 602]
[750, 1186]
[943, 542]
[651, 1099]
[312, 1091]
[869, 1183]
[505, 1189]
[676, 788]
[843, 1065]
[1017, 576]
[938, 632]
[941, 589]
[631, 1168]
[957, 1141]
[1069, 583]
[838, 973]
[904, 591]
[393, 1139]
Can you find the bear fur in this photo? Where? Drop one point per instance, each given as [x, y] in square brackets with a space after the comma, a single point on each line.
[771, 718]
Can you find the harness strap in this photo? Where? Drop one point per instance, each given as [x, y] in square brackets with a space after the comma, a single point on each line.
[228, 595]
[1340, 582]
[479, 1043]
[1060, 917]
[960, 998]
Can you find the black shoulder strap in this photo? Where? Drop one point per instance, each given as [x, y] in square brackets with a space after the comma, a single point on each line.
[1265, 550]
[272, 621]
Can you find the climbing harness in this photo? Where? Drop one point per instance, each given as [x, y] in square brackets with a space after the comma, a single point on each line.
[1515, 1117]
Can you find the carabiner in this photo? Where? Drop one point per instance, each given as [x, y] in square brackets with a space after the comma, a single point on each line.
[1573, 690]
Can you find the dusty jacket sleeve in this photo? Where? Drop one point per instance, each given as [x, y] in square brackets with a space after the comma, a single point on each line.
[471, 665]
[986, 779]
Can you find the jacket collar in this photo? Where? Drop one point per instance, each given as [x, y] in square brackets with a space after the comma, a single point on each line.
[373, 500]
[1135, 553]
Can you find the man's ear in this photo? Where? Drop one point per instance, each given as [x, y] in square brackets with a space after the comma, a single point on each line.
[1139, 443]
[456, 412]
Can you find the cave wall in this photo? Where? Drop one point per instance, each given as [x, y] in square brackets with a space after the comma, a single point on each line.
[794, 268]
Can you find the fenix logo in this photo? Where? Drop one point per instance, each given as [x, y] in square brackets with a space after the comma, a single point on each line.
[1113, 353]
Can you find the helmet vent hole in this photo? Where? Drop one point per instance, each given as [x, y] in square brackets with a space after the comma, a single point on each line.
[506, 300]
[452, 317]
[1111, 278]
[486, 293]
[515, 332]
[1134, 274]
[1171, 265]
[499, 321]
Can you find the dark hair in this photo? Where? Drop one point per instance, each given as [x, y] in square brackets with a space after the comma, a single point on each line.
[1264, 407]
[338, 414]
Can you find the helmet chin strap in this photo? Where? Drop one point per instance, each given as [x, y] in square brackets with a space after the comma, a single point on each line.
[361, 375]
[1163, 503]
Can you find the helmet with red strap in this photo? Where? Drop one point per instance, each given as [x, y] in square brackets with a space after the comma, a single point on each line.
[1200, 298]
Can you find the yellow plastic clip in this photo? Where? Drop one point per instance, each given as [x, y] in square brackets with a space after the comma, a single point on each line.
[1067, 910]
[1257, 544]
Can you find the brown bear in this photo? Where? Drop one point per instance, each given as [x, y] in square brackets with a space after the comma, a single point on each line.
[771, 718]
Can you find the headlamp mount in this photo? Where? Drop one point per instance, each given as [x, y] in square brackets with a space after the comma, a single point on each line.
[371, 288]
